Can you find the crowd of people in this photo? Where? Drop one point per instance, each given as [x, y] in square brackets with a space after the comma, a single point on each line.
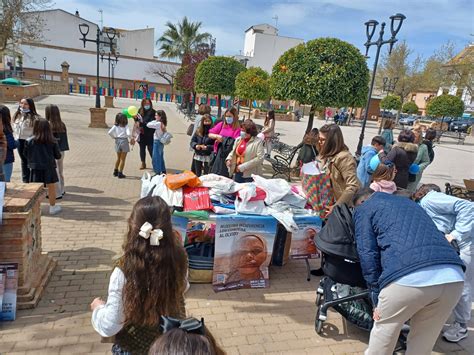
[41, 144]
[414, 242]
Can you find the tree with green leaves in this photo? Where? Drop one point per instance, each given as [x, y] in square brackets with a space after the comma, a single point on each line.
[391, 102]
[324, 72]
[252, 84]
[216, 75]
[445, 106]
[182, 38]
[410, 107]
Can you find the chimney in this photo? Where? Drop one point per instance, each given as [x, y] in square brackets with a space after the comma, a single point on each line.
[77, 13]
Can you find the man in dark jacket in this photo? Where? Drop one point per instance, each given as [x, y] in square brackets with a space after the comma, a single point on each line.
[411, 270]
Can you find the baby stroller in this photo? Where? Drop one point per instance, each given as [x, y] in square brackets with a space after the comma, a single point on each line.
[343, 287]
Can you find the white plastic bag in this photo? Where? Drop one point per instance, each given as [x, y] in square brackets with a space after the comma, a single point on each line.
[171, 197]
[276, 189]
[251, 207]
[294, 200]
[146, 184]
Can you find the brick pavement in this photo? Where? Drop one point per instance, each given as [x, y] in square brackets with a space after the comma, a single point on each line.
[86, 237]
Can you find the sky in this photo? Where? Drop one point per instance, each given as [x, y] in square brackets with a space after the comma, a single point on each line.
[429, 24]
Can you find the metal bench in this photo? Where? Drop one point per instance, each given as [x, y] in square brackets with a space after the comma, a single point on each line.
[466, 193]
[458, 136]
[283, 162]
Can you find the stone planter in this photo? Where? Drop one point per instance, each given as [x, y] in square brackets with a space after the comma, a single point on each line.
[21, 242]
[109, 101]
[98, 118]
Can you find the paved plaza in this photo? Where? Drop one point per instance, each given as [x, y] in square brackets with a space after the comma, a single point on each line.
[86, 238]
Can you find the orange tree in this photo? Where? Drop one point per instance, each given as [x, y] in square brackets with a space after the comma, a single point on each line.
[252, 84]
[323, 72]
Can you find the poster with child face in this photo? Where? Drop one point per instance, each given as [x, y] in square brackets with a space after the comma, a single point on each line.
[243, 251]
[302, 241]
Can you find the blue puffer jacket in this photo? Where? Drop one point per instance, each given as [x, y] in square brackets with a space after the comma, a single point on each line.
[396, 237]
[363, 169]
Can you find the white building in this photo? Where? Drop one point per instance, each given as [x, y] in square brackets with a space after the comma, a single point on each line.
[263, 46]
[61, 42]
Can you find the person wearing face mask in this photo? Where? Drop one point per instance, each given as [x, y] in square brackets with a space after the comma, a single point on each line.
[146, 114]
[202, 146]
[246, 157]
[23, 121]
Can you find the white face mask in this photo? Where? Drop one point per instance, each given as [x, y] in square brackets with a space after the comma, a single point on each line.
[24, 110]
[229, 120]
[243, 135]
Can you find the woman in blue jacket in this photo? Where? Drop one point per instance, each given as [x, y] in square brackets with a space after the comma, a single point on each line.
[454, 217]
[411, 270]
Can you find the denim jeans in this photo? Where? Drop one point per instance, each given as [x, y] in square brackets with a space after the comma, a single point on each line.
[7, 170]
[462, 311]
[158, 159]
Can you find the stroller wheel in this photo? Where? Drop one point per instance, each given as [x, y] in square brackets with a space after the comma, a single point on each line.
[319, 326]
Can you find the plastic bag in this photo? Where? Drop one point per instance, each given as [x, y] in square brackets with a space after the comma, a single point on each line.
[196, 198]
[171, 197]
[146, 184]
[175, 181]
[251, 207]
[275, 189]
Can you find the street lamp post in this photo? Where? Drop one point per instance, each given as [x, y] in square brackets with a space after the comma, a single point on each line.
[44, 67]
[111, 33]
[387, 87]
[395, 25]
[112, 63]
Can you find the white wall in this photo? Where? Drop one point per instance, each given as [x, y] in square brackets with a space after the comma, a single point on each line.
[269, 48]
[143, 40]
[85, 63]
[249, 44]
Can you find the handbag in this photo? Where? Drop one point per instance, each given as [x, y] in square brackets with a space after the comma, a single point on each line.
[190, 129]
[317, 187]
[166, 138]
[201, 262]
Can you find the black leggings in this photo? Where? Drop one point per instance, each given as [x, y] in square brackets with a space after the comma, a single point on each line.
[25, 171]
[200, 167]
[144, 145]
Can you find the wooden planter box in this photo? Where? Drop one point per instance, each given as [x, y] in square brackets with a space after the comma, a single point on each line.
[256, 114]
[20, 241]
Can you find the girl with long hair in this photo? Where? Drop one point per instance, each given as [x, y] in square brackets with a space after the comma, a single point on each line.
[159, 125]
[339, 163]
[146, 114]
[269, 130]
[11, 143]
[42, 151]
[202, 146]
[120, 132]
[23, 122]
[53, 115]
[148, 281]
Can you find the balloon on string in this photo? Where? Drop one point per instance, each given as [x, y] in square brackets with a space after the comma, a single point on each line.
[374, 162]
[125, 112]
[132, 110]
[414, 169]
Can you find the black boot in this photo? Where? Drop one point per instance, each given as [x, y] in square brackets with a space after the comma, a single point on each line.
[116, 172]
[121, 176]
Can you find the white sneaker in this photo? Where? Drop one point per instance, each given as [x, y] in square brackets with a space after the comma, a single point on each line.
[54, 209]
[455, 333]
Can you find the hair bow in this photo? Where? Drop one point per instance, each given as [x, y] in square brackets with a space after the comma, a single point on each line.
[147, 232]
[189, 325]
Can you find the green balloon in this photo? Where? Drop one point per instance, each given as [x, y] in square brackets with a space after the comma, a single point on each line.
[125, 112]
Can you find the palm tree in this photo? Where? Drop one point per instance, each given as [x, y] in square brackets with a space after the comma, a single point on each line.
[182, 38]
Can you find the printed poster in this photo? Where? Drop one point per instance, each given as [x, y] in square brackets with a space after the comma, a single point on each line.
[180, 226]
[243, 251]
[302, 241]
[10, 293]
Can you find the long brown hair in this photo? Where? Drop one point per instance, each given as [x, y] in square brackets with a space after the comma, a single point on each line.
[384, 172]
[42, 132]
[201, 131]
[53, 116]
[334, 143]
[156, 275]
[270, 116]
[5, 118]
[141, 111]
[163, 118]
[33, 114]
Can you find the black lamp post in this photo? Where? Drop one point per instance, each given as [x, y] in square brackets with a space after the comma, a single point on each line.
[111, 61]
[395, 25]
[44, 67]
[387, 87]
[114, 64]
[111, 33]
